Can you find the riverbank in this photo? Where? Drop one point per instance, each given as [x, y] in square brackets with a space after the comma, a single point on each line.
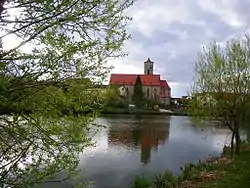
[111, 110]
[177, 112]
[221, 172]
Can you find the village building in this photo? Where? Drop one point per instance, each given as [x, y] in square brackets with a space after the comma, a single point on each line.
[153, 87]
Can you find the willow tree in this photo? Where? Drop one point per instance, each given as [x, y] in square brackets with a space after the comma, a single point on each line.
[59, 53]
[221, 89]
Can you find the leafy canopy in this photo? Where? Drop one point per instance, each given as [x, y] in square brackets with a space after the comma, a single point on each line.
[59, 55]
[222, 75]
[221, 90]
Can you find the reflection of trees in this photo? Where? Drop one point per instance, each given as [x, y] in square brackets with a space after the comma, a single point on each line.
[145, 155]
[147, 133]
[136, 133]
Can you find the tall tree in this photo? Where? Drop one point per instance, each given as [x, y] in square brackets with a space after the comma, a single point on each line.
[56, 42]
[138, 96]
[221, 89]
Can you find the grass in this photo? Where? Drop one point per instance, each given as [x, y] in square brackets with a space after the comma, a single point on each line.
[233, 175]
[222, 172]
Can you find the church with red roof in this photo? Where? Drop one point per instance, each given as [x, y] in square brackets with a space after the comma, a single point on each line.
[153, 86]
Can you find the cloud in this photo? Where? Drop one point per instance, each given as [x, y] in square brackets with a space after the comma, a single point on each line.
[172, 32]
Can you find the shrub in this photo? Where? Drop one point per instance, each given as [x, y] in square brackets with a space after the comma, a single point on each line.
[167, 180]
[141, 182]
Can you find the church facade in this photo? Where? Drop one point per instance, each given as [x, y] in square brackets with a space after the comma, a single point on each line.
[154, 88]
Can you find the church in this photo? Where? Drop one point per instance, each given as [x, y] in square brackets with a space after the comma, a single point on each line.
[153, 87]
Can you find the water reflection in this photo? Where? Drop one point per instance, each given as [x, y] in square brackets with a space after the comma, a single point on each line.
[129, 142]
[146, 134]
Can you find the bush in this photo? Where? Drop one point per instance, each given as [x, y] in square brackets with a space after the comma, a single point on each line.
[141, 182]
[187, 172]
[167, 180]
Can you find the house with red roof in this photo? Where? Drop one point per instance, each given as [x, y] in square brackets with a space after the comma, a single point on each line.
[154, 88]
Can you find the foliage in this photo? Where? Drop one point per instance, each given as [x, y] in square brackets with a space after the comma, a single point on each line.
[141, 182]
[232, 176]
[184, 102]
[225, 172]
[221, 88]
[111, 98]
[59, 55]
[167, 180]
[138, 93]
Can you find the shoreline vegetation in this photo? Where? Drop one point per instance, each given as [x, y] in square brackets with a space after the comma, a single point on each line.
[214, 172]
[114, 111]
[176, 112]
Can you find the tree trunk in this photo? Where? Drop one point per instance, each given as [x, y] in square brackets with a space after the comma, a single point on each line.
[232, 144]
[237, 138]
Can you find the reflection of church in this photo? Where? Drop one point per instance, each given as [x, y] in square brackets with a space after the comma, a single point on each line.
[148, 135]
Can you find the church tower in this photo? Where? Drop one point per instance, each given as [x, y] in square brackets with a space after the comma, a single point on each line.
[148, 67]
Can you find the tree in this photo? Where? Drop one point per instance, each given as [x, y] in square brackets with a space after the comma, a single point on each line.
[221, 89]
[112, 98]
[138, 93]
[56, 41]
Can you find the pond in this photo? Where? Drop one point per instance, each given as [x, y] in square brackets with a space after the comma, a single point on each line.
[146, 145]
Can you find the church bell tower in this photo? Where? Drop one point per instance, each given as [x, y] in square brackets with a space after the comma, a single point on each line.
[148, 67]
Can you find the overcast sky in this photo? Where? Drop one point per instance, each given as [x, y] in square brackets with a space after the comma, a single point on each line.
[171, 33]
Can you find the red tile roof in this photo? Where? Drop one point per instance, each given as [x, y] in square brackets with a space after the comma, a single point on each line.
[164, 84]
[150, 80]
[122, 79]
[147, 80]
[129, 79]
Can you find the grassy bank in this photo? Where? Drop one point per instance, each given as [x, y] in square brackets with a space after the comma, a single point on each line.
[221, 172]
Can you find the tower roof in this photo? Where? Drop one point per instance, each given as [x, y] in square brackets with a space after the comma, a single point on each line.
[149, 61]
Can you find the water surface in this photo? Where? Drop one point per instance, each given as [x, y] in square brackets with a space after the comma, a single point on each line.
[146, 145]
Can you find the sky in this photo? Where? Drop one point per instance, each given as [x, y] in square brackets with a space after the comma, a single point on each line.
[172, 32]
